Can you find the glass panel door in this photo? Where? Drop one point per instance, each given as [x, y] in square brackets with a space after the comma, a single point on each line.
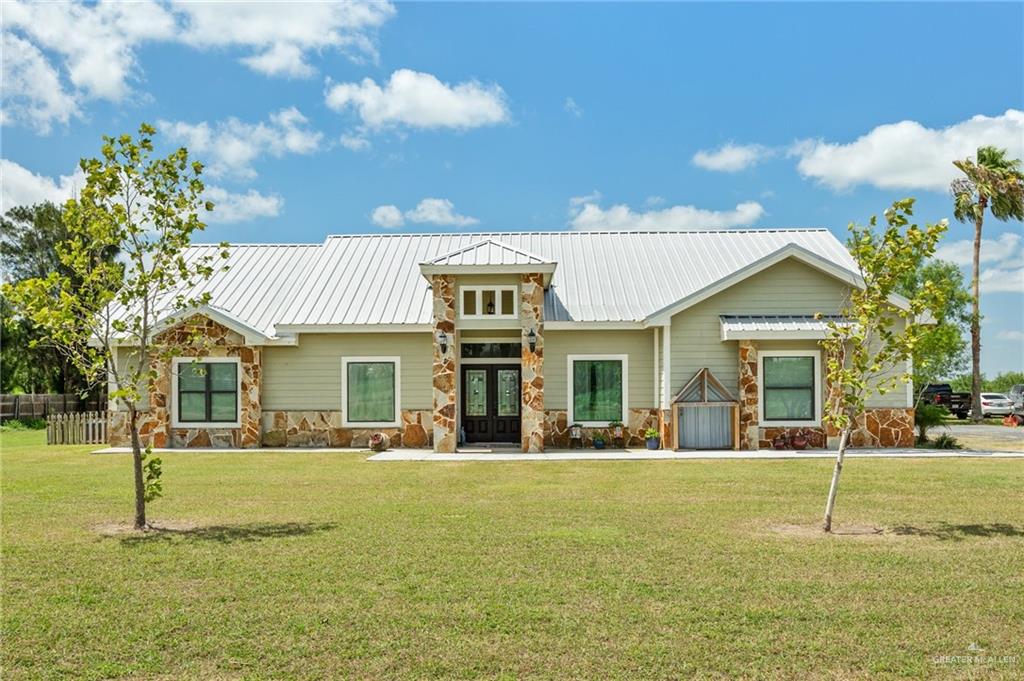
[476, 392]
[508, 392]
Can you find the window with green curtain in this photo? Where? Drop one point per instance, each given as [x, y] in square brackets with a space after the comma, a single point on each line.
[207, 392]
[370, 392]
[597, 389]
[788, 388]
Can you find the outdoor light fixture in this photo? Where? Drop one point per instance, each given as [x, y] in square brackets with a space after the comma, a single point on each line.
[442, 340]
[490, 307]
[531, 338]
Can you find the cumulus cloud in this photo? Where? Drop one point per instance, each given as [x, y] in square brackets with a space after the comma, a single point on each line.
[230, 207]
[413, 99]
[430, 211]
[22, 187]
[58, 55]
[1002, 260]
[908, 155]
[573, 108]
[354, 142]
[585, 213]
[731, 158]
[231, 146]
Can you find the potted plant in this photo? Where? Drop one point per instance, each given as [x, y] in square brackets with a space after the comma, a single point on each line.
[599, 441]
[799, 440]
[616, 428]
[780, 441]
[575, 436]
[653, 438]
[379, 442]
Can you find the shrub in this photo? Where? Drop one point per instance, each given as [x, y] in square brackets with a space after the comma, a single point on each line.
[928, 416]
[946, 441]
[651, 433]
[24, 424]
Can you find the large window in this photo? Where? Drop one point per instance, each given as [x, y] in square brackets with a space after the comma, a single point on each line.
[488, 302]
[597, 388]
[206, 392]
[790, 392]
[369, 391]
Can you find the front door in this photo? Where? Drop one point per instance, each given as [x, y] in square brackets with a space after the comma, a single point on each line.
[490, 402]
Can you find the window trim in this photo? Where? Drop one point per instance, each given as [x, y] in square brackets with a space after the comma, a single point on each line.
[570, 387]
[176, 422]
[815, 421]
[499, 313]
[397, 361]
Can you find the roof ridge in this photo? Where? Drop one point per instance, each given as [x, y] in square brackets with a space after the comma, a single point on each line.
[484, 235]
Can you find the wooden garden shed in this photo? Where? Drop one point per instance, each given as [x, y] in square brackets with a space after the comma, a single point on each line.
[705, 414]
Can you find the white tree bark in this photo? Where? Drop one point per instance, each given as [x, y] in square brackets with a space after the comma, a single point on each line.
[833, 489]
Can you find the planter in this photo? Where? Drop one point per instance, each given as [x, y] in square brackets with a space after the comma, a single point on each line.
[379, 442]
[598, 444]
[799, 441]
[779, 442]
[654, 443]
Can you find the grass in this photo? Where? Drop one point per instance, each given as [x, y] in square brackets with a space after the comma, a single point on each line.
[308, 565]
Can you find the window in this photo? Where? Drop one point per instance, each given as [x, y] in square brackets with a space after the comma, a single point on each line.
[206, 392]
[597, 388]
[473, 350]
[790, 387]
[488, 302]
[370, 391]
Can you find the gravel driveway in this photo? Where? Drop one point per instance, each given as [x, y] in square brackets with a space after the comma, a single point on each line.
[988, 437]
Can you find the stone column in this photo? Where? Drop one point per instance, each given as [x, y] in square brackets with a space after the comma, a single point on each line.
[749, 436]
[251, 433]
[531, 317]
[445, 437]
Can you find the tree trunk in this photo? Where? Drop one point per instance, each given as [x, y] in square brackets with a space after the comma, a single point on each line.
[140, 485]
[976, 414]
[833, 489]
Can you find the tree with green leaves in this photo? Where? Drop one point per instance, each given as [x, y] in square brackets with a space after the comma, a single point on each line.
[146, 208]
[994, 183]
[941, 351]
[867, 348]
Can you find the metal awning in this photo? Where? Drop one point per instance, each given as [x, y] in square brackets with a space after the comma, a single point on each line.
[769, 327]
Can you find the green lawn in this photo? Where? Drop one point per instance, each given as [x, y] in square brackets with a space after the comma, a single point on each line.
[305, 565]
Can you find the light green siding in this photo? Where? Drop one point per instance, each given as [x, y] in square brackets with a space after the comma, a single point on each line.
[789, 287]
[308, 377]
[123, 357]
[639, 345]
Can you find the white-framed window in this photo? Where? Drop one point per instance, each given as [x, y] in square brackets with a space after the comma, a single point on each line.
[789, 392]
[598, 389]
[206, 392]
[488, 302]
[371, 392]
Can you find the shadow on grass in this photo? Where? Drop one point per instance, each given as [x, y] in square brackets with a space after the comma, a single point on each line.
[227, 534]
[951, 532]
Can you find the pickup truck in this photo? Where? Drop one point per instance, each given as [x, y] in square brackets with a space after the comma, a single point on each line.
[942, 395]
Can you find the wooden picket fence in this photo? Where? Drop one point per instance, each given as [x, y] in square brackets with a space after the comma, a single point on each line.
[77, 428]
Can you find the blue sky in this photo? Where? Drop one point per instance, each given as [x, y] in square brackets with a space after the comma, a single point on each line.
[317, 119]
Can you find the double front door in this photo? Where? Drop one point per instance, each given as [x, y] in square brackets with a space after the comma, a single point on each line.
[490, 402]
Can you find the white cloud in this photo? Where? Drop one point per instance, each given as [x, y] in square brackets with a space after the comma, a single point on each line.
[419, 100]
[586, 214]
[428, 211]
[573, 108]
[231, 146]
[354, 142]
[652, 201]
[231, 207]
[731, 158]
[1002, 261]
[388, 216]
[282, 33]
[908, 155]
[1011, 335]
[33, 93]
[19, 186]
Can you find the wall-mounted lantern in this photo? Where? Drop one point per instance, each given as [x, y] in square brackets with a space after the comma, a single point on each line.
[490, 307]
[442, 340]
[531, 338]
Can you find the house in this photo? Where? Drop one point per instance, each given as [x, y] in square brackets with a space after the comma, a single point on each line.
[440, 339]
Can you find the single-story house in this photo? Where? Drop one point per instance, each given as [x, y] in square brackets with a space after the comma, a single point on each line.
[437, 340]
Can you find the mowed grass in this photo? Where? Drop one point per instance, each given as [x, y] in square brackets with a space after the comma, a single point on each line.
[307, 565]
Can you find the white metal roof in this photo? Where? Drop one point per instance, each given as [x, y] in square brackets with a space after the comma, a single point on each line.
[488, 252]
[749, 327]
[602, 276]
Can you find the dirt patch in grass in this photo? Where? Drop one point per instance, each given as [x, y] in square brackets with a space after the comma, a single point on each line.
[123, 529]
[842, 531]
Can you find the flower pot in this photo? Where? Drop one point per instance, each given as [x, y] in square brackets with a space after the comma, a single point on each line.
[654, 443]
[379, 442]
[779, 442]
[576, 432]
[799, 441]
[598, 444]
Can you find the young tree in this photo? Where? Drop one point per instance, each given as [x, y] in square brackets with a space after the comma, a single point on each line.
[993, 182]
[868, 347]
[147, 209]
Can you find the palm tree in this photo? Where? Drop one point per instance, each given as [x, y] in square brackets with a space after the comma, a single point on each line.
[996, 183]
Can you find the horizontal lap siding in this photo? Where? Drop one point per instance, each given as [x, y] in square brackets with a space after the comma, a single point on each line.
[308, 377]
[639, 345]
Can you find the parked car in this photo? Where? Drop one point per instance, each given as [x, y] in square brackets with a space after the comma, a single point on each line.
[942, 395]
[1016, 396]
[996, 404]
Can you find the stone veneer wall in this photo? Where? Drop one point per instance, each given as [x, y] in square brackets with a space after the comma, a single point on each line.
[323, 429]
[556, 428]
[197, 336]
[749, 434]
[445, 438]
[531, 317]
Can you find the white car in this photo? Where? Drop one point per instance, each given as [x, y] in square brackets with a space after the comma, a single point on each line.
[996, 404]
